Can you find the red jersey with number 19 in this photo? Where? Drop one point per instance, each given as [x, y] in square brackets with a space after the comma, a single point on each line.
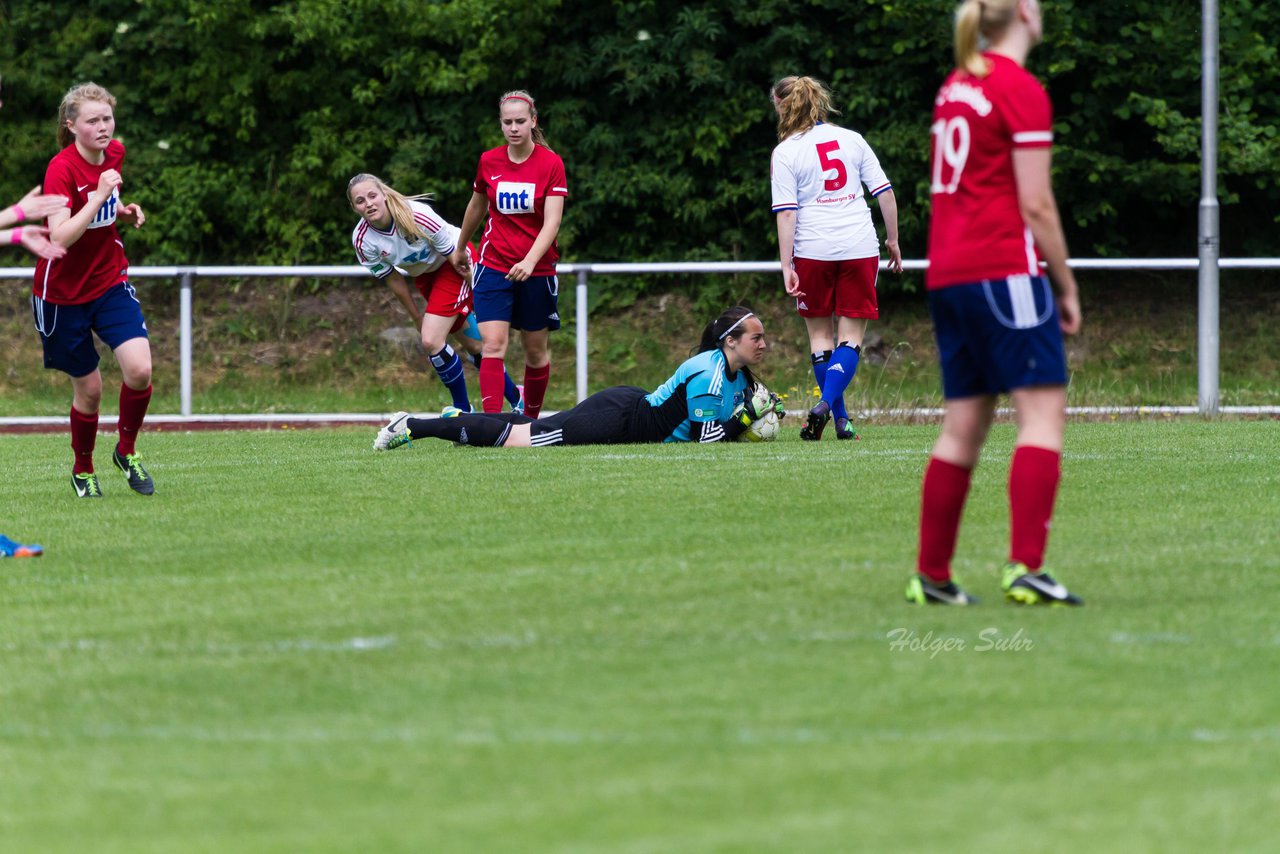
[517, 194]
[96, 261]
[976, 230]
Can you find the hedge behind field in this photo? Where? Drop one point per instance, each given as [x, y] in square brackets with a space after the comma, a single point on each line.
[244, 118]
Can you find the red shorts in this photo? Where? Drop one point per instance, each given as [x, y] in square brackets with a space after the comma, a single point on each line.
[447, 293]
[840, 288]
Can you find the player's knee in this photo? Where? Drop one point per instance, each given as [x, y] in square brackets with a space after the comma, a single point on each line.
[88, 395]
[136, 376]
[433, 341]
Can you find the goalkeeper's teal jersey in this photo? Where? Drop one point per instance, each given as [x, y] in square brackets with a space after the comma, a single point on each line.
[700, 390]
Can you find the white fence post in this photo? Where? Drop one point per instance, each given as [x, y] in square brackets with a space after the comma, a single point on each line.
[184, 338]
[581, 336]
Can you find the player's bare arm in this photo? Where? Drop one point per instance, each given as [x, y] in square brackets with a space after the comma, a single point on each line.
[1031, 168]
[65, 229]
[404, 294]
[786, 221]
[889, 210]
[477, 210]
[32, 207]
[131, 214]
[553, 212]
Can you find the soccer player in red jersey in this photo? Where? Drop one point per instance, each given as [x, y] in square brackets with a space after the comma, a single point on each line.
[521, 188]
[826, 240]
[998, 321]
[87, 291]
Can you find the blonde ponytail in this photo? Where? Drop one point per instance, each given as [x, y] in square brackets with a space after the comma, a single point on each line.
[802, 102]
[976, 20]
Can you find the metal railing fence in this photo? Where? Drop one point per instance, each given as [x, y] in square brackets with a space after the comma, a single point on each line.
[187, 275]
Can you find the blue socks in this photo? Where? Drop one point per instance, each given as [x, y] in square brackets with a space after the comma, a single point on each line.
[840, 370]
[834, 370]
[509, 390]
[821, 362]
[449, 367]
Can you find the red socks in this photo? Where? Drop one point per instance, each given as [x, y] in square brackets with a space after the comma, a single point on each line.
[84, 433]
[946, 485]
[1033, 486]
[535, 388]
[492, 382]
[133, 409]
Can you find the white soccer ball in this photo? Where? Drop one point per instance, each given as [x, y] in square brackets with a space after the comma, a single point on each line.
[764, 429]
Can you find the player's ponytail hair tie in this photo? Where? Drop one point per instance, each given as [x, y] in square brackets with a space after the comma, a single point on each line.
[736, 324]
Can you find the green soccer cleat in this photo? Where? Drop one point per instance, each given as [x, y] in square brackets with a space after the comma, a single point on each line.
[86, 485]
[1025, 587]
[131, 464]
[845, 431]
[924, 591]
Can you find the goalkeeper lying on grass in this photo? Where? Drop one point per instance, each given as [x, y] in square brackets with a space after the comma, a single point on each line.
[712, 397]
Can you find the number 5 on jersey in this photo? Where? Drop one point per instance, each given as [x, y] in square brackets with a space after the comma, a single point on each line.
[825, 150]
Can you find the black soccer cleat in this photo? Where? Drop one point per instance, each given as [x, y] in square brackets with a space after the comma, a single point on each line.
[86, 485]
[844, 431]
[816, 422]
[131, 464]
[924, 591]
[1025, 587]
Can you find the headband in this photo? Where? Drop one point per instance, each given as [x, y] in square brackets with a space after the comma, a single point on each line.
[518, 98]
[724, 334]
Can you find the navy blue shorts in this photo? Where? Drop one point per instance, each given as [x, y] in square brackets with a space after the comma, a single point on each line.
[530, 305]
[67, 330]
[997, 335]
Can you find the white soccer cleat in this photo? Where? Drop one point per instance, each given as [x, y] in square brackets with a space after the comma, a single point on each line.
[395, 434]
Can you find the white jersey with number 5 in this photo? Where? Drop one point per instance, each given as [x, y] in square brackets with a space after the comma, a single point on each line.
[820, 174]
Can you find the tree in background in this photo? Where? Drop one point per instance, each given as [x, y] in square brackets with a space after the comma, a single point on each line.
[247, 117]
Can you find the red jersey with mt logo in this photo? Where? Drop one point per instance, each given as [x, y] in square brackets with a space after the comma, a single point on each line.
[96, 261]
[517, 194]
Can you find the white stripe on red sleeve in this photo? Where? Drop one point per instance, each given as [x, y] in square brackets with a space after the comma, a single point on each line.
[1033, 137]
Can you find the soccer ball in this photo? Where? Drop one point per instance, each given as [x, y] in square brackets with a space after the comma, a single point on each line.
[764, 429]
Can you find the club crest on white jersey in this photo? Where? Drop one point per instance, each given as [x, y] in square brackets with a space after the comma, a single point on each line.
[106, 214]
[514, 197]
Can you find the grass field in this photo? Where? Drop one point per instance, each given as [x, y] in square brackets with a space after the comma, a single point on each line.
[300, 645]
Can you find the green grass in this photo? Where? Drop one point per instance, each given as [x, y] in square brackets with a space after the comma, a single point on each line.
[300, 645]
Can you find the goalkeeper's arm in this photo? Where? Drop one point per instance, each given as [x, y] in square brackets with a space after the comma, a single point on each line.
[744, 415]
